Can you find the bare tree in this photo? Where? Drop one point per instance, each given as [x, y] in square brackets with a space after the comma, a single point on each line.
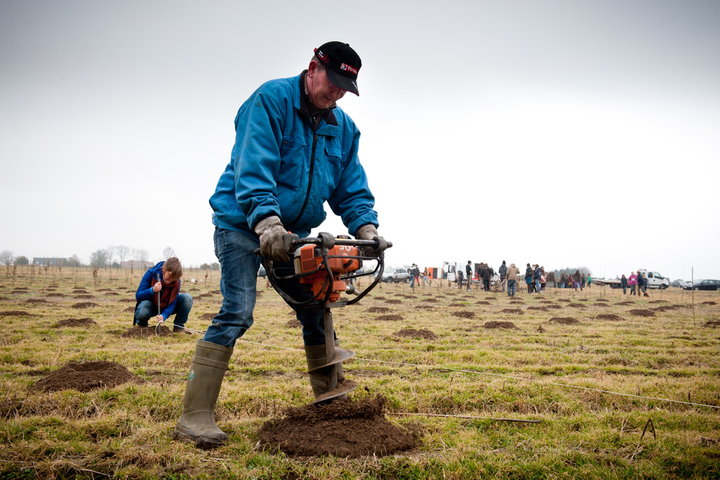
[22, 260]
[168, 252]
[122, 252]
[99, 258]
[6, 257]
[140, 255]
[74, 261]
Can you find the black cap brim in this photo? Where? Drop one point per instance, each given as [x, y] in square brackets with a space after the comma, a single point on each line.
[343, 82]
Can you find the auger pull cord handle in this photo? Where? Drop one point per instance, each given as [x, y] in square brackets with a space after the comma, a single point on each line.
[325, 241]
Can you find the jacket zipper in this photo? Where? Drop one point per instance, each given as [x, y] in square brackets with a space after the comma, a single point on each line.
[312, 168]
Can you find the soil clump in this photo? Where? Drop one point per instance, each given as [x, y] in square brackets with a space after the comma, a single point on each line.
[482, 302]
[343, 428]
[84, 305]
[145, 332]
[389, 317]
[76, 322]
[15, 313]
[85, 377]
[415, 333]
[430, 300]
[542, 309]
[511, 310]
[294, 323]
[36, 300]
[496, 324]
[564, 320]
[576, 305]
[463, 314]
[709, 302]
[712, 323]
[610, 316]
[393, 302]
[641, 312]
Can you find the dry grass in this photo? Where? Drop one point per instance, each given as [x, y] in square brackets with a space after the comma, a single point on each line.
[520, 372]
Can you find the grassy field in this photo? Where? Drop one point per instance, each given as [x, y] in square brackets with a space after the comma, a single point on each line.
[561, 372]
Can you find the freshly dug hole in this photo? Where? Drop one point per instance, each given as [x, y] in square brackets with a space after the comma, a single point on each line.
[343, 428]
[145, 332]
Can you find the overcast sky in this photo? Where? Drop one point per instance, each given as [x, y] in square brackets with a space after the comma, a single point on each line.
[564, 133]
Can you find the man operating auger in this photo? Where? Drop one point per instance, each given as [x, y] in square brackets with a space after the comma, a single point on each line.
[294, 150]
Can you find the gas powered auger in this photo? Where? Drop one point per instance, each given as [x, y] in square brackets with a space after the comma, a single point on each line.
[328, 266]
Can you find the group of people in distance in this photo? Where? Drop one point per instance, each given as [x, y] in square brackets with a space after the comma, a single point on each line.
[636, 282]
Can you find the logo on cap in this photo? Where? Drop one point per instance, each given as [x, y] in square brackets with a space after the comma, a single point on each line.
[348, 68]
[324, 58]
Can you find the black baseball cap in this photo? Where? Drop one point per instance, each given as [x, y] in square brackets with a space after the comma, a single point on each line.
[342, 64]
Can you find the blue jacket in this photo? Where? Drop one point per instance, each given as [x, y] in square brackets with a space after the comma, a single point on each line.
[145, 291]
[280, 166]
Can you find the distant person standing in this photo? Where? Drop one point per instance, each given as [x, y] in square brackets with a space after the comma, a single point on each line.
[503, 275]
[529, 278]
[624, 283]
[162, 283]
[512, 276]
[632, 282]
[642, 284]
[469, 273]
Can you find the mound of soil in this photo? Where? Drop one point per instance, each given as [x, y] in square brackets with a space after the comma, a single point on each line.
[414, 333]
[380, 298]
[564, 320]
[378, 310]
[709, 302]
[85, 377]
[658, 301]
[17, 290]
[84, 305]
[56, 294]
[294, 323]
[610, 316]
[454, 304]
[577, 305]
[129, 309]
[393, 302]
[482, 302]
[542, 309]
[499, 325]
[15, 313]
[76, 322]
[84, 297]
[463, 314]
[712, 323]
[665, 308]
[343, 428]
[79, 290]
[511, 310]
[490, 298]
[36, 300]
[389, 317]
[563, 300]
[625, 303]
[145, 332]
[207, 316]
[547, 302]
[641, 312]
[517, 302]
[554, 307]
[430, 300]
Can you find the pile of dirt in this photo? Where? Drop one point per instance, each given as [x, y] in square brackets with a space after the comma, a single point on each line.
[641, 312]
[430, 300]
[712, 323]
[463, 314]
[343, 428]
[85, 377]
[482, 302]
[84, 305]
[145, 332]
[15, 313]
[36, 300]
[293, 323]
[56, 294]
[380, 298]
[377, 309]
[542, 309]
[393, 302]
[76, 322]
[658, 301]
[610, 316]
[490, 298]
[511, 310]
[563, 300]
[577, 305]
[79, 290]
[665, 308]
[389, 317]
[495, 324]
[546, 302]
[554, 306]
[414, 333]
[564, 320]
[625, 303]
[709, 302]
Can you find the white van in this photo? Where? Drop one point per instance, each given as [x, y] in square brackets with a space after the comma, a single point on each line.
[655, 279]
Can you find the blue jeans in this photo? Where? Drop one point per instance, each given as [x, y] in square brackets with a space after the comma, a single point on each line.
[537, 286]
[239, 265]
[511, 284]
[147, 309]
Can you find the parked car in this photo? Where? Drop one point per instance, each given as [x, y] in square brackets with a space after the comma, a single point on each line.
[704, 285]
[655, 280]
[396, 275]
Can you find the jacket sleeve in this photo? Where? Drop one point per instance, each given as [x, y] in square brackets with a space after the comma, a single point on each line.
[170, 309]
[352, 199]
[256, 156]
[145, 291]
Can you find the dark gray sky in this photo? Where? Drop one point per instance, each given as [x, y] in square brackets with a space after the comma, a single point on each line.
[559, 132]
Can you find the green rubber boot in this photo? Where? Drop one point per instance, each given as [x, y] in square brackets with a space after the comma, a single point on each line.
[197, 422]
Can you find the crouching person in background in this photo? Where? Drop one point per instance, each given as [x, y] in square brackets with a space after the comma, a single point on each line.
[162, 282]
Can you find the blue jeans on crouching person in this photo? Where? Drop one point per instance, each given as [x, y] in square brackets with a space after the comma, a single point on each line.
[511, 285]
[146, 310]
[239, 265]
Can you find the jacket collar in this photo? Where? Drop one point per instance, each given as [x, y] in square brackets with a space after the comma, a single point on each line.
[307, 110]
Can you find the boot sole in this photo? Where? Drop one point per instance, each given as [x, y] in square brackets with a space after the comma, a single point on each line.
[201, 442]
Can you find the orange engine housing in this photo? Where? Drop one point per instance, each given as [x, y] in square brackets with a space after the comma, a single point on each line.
[309, 259]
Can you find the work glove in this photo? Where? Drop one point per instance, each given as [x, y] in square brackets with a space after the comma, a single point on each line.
[369, 232]
[272, 232]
